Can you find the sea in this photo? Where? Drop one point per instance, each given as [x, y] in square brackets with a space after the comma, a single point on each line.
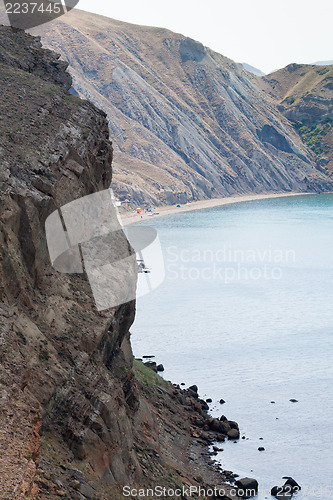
[245, 312]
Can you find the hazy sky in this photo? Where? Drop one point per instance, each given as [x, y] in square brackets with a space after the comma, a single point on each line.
[267, 34]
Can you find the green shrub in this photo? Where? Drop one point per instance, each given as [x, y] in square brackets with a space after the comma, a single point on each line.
[323, 70]
[312, 135]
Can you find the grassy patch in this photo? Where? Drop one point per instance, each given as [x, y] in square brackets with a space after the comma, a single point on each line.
[147, 376]
[312, 135]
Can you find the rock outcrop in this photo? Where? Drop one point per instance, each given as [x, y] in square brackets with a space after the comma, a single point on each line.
[186, 122]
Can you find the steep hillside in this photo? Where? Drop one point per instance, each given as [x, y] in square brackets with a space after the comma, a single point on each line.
[305, 96]
[186, 122]
[78, 419]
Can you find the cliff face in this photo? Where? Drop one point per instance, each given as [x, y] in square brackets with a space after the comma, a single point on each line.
[304, 94]
[76, 420]
[61, 359]
[186, 122]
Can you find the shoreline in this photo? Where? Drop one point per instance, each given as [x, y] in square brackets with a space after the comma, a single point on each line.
[128, 218]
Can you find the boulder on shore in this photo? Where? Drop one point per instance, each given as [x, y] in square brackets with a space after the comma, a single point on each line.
[295, 487]
[151, 365]
[247, 487]
[193, 394]
[287, 490]
[233, 434]
[233, 424]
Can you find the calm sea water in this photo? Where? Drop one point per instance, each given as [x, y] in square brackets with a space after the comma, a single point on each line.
[245, 312]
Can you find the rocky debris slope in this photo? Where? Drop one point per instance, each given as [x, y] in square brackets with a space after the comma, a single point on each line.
[64, 365]
[304, 94]
[186, 122]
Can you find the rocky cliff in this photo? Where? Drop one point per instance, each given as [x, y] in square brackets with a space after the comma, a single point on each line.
[186, 122]
[77, 419]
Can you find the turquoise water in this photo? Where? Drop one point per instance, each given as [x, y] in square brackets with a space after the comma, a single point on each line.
[245, 312]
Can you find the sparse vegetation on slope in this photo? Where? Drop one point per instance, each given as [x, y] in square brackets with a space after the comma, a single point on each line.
[186, 122]
[305, 94]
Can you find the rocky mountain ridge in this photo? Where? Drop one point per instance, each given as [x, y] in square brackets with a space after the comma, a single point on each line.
[186, 122]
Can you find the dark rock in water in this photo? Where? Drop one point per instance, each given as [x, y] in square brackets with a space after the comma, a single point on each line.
[233, 424]
[292, 400]
[204, 405]
[292, 484]
[281, 493]
[223, 418]
[222, 401]
[220, 438]
[160, 368]
[261, 448]
[247, 487]
[148, 357]
[151, 365]
[273, 402]
[193, 388]
[287, 490]
[224, 428]
[215, 425]
[209, 400]
[183, 383]
[193, 394]
[233, 434]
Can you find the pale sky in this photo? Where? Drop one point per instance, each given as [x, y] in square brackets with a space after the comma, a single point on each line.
[264, 33]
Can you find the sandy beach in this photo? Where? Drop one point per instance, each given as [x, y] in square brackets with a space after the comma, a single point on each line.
[131, 218]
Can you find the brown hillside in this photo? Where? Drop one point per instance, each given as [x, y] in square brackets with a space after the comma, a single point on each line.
[305, 96]
[186, 122]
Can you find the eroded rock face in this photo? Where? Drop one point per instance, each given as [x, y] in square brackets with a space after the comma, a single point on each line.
[191, 50]
[183, 119]
[304, 94]
[56, 349]
[271, 135]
